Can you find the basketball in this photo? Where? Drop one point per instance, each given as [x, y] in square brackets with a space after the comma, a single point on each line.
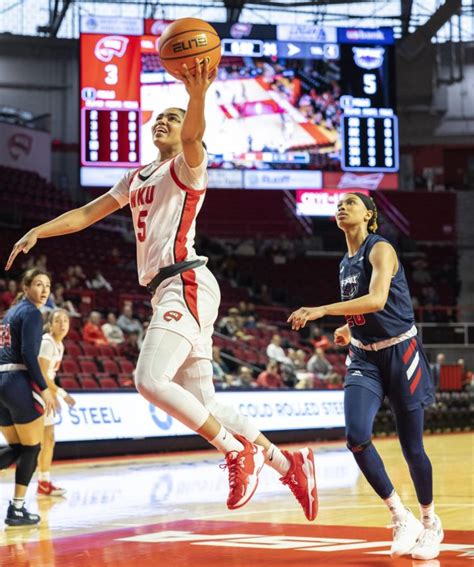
[184, 40]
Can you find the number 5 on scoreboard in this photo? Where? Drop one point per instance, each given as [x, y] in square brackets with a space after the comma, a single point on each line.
[370, 83]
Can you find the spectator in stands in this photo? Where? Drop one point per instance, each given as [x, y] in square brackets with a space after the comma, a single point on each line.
[319, 339]
[287, 369]
[269, 378]
[92, 331]
[127, 322]
[70, 279]
[246, 248]
[264, 295]
[243, 309]
[436, 369]
[41, 262]
[231, 325]
[275, 351]
[465, 375]
[221, 375]
[79, 273]
[319, 365]
[300, 359]
[113, 333]
[98, 282]
[9, 295]
[129, 348]
[244, 379]
[115, 258]
[61, 303]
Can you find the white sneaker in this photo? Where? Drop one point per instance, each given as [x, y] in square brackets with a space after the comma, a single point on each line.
[405, 534]
[427, 547]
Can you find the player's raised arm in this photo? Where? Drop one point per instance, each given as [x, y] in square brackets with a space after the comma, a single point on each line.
[194, 123]
[67, 223]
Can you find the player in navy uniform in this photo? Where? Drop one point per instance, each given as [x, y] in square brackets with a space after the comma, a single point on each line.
[24, 396]
[386, 359]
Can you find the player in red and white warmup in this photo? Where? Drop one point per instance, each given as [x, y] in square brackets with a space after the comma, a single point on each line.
[174, 370]
[50, 357]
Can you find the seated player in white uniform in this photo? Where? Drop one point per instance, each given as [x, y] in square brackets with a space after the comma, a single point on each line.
[50, 358]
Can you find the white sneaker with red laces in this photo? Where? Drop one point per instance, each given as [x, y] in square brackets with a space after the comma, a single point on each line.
[244, 467]
[47, 488]
[301, 479]
[427, 546]
[405, 534]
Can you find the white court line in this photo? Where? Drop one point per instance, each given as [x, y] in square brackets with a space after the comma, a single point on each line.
[322, 507]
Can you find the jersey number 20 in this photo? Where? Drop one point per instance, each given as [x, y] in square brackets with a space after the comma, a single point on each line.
[358, 320]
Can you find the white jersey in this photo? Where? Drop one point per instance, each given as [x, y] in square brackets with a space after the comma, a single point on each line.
[52, 351]
[165, 200]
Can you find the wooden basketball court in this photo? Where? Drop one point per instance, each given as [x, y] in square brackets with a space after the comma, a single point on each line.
[170, 510]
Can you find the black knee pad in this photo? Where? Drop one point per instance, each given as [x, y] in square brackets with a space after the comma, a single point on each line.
[359, 448]
[9, 455]
[26, 464]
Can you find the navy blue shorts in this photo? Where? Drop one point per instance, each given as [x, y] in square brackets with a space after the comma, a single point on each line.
[400, 372]
[20, 400]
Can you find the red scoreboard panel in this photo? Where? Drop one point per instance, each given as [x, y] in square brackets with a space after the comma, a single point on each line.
[110, 100]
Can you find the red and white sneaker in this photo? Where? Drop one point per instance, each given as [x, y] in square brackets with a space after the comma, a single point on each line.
[47, 488]
[301, 479]
[244, 468]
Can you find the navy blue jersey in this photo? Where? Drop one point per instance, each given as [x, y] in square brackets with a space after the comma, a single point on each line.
[21, 332]
[396, 318]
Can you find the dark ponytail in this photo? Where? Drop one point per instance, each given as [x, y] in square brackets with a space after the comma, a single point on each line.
[370, 205]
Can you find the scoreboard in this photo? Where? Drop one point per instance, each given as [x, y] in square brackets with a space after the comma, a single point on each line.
[288, 98]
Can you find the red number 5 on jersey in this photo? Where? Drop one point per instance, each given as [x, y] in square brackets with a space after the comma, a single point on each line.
[141, 225]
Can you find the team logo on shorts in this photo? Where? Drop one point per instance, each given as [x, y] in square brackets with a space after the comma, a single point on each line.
[172, 316]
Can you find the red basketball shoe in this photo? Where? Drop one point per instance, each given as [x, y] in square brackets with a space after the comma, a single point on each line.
[46, 488]
[244, 468]
[301, 479]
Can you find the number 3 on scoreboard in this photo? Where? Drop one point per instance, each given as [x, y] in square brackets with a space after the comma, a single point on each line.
[141, 225]
[111, 77]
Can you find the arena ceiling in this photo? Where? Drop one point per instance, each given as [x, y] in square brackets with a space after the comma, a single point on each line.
[61, 17]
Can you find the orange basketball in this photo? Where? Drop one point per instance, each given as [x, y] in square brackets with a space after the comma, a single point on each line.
[184, 40]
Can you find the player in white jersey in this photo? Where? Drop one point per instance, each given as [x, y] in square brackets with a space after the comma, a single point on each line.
[50, 358]
[174, 370]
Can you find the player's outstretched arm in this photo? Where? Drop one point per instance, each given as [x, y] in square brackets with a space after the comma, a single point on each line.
[194, 123]
[72, 221]
[384, 263]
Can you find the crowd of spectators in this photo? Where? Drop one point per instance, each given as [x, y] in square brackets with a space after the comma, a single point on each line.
[307, 363]
[302, 365]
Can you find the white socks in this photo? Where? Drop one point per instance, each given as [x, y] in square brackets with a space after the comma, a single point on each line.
[277, 460]
[226, 442]
[44, 476]
[18, 502]
[427, 515]
[396, 507]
